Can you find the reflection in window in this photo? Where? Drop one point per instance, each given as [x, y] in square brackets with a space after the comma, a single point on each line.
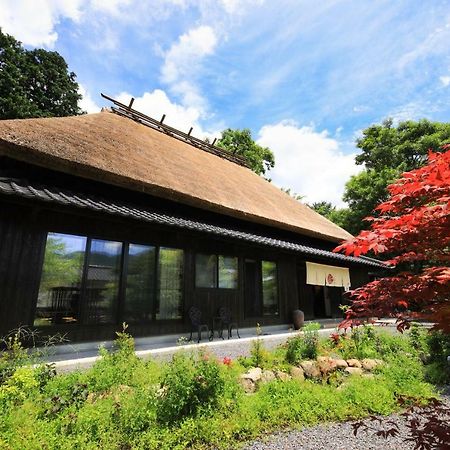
[140, 283]
[170, 284]
[102, 282]
[269, 288]
[59, 291]
[206, 271]
[228, 272]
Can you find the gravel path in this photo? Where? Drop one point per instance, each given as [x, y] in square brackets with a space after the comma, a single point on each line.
[338, 436]
[231, 348]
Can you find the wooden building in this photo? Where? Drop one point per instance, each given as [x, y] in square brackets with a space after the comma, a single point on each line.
[114, 217]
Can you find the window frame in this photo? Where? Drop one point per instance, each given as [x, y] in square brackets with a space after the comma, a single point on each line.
[119, 309]
[217, 272]
[277, 288]
[259, 262]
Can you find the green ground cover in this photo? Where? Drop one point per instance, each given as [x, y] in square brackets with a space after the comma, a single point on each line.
[195, 401]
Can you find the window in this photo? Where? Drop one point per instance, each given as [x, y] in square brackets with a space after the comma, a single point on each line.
[206, 271]
[260, 288]
[170, 284]
[228, 272]
[212, 271]
[269, 288]
[62, 272]
[85, 281]
[102, 281]
[140, 283]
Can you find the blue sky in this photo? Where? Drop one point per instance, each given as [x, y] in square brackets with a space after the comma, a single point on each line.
[305, 76]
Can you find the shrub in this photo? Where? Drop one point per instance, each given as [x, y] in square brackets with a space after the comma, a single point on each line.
[438, 345]
[404, 375]
[13, 357]
[189, 385]
[18, 386]
[417, 337]
[305, 345]
[115, 367]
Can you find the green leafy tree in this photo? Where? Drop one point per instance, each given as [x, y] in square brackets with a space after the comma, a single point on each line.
[61, 268]
[240, 142]
[35, 83]
[294, 195]
[386, 152]
[339, 216]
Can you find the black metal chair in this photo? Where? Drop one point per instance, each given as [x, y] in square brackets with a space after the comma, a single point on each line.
[195, 315]
[226, 320]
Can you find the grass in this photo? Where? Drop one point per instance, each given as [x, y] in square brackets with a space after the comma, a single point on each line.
[195, 401]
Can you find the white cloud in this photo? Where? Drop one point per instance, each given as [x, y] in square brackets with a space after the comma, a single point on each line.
[445, 81]
[33, 21]
[308, 162]
[87, 103]
[157, 103]
[112, 7]
[238, 6]
[414, 110]
[183, 59]
[435, 43]
[190, 48]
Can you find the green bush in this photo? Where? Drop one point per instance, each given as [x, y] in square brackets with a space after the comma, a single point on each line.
[417, 337]
[12, 357]
[189, 385]
[305, 345]
[438, 371]
[195, 402]
[438, 345]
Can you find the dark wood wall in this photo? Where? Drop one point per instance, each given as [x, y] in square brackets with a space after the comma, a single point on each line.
[23, 231]
[22, 247]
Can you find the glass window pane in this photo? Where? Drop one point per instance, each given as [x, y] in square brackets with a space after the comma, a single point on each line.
[102, 284]
[252, 288]
[270, 288]
[140, 283]
[206, 271]
[228, 272]
[170, 284]
[59, 290]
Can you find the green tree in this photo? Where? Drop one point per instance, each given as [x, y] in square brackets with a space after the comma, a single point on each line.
[386, 152]
[294, 195]
[35, 83]
[339, 216]
[240, 142]
[61, 268]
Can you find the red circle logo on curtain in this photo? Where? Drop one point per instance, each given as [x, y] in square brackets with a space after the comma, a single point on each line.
[330, 278]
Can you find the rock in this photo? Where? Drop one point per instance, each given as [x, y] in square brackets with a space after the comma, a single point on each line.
[369, 364]
[354, 370]
[297, 373]
[341, 363]
[253, 374]
[326, 365]
[282, 376]
[266, 376]
[248, 385]
[354, 363]
[310, 369]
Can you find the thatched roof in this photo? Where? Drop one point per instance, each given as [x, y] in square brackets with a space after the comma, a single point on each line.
[116, 150]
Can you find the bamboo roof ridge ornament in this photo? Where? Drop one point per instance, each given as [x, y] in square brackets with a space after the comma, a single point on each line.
[127, 111]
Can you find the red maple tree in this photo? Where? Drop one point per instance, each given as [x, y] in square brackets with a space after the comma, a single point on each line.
[413, 225]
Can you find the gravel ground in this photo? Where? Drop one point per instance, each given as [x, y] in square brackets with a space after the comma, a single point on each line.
[338, 436]
[231, 348]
